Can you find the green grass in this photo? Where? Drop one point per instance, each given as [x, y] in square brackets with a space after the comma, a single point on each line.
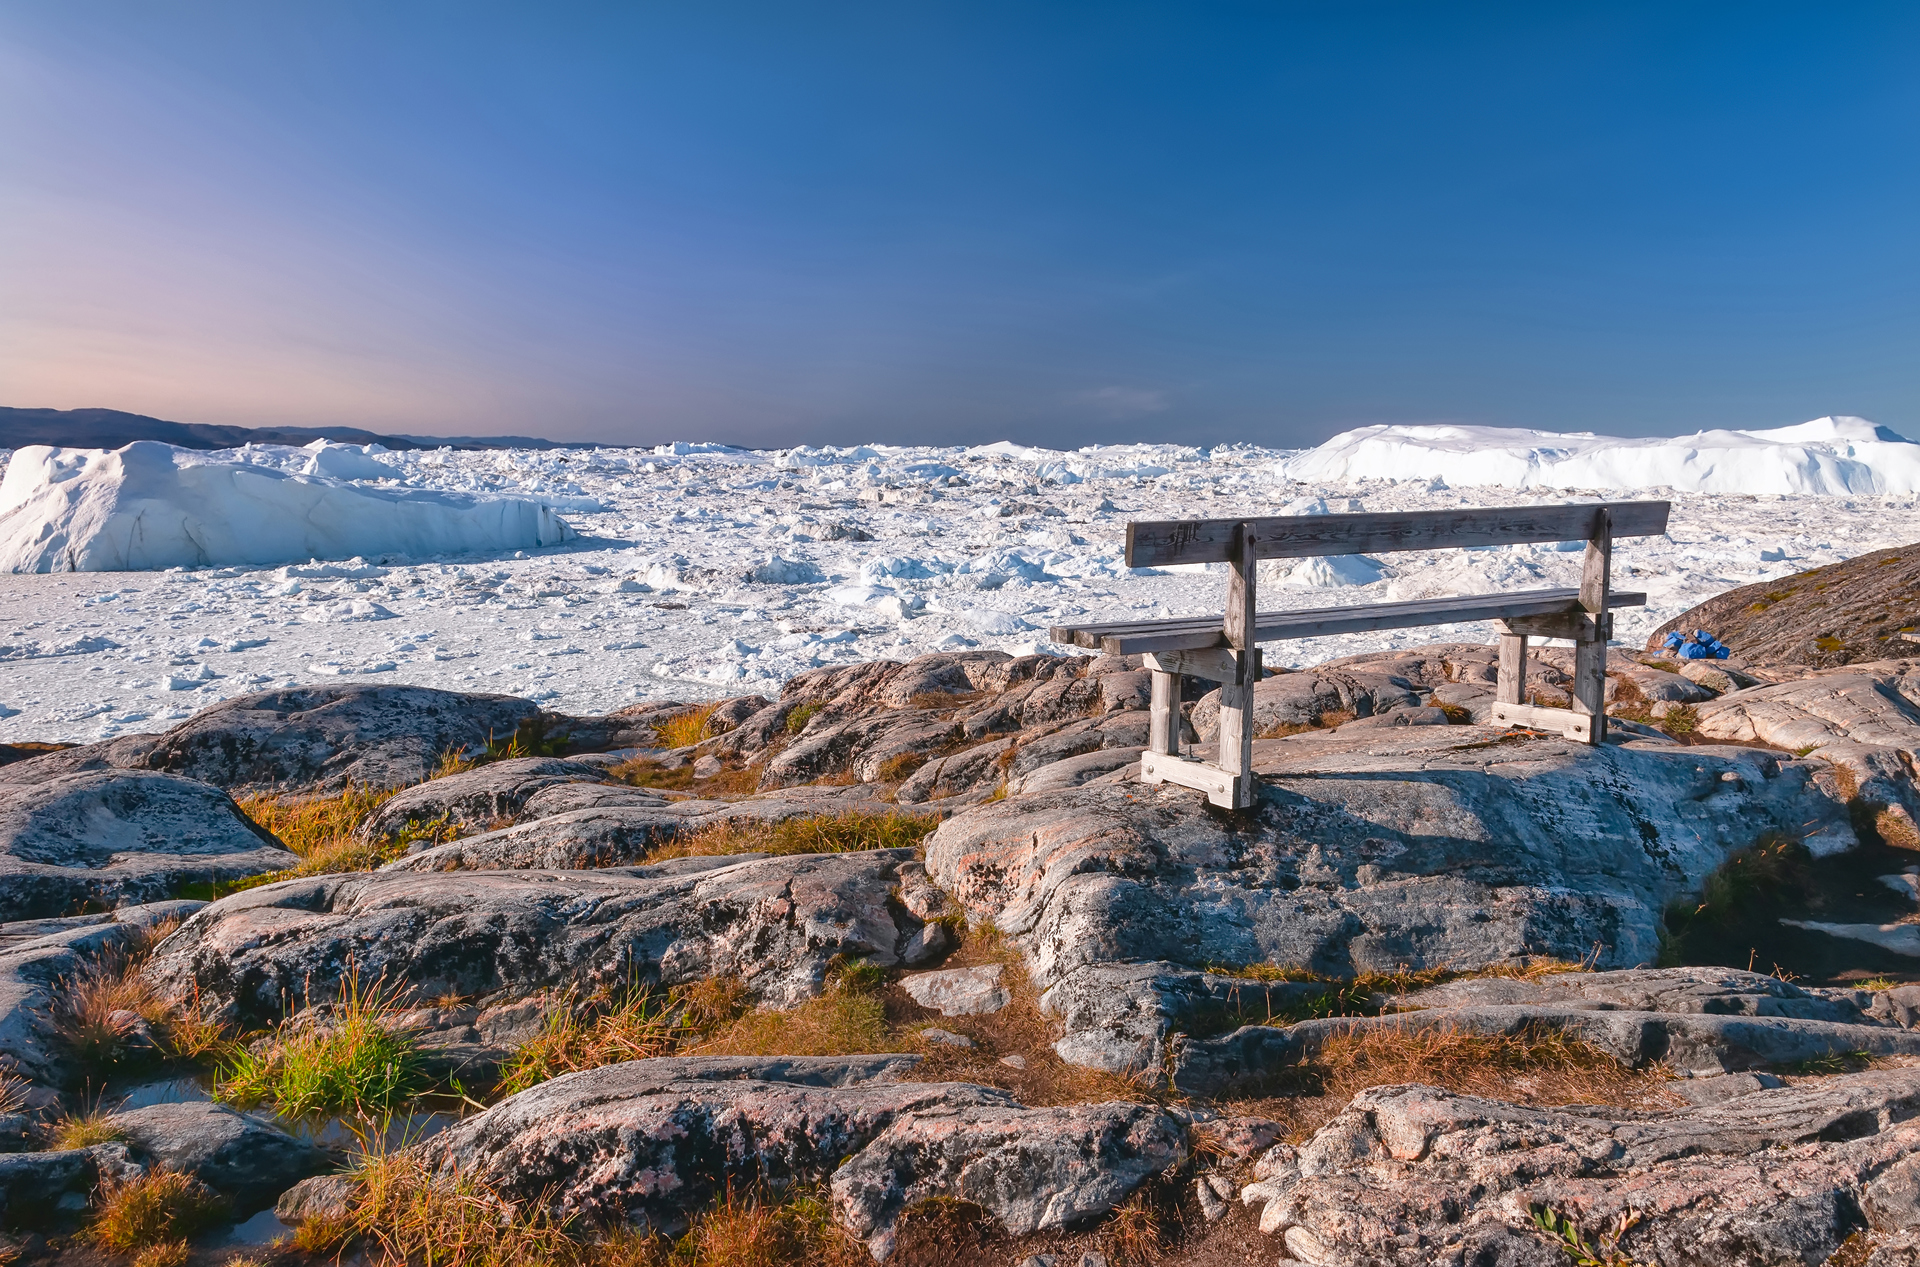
[1739, 900]
[574, 1037]
[350, 1063]
[1876, 984]
[799, 716]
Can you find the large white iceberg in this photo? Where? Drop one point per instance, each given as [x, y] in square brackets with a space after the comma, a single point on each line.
[139, 509]
[1830, 456]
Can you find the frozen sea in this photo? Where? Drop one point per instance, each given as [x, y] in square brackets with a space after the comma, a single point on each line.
[702, 572]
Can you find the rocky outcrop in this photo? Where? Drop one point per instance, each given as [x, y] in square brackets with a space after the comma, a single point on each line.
[1413, 1175]
[114, 837]
[1032, 1170]
[39, 956]
[650, 1141]
[774, 922]
[248, 1160]
[49, 1190]
[1401, 847]
[1845, 613]
[486, 796]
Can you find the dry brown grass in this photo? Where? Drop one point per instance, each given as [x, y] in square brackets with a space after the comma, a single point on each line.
[849, 1019]
[854, 831]
[91, 1011]
[649, 773]
[165, 1254]
[156, 1208]
[683, 730]
[899, 766]
[1535, 1066]
[1135, 1234]
[407, 1213]
[321, 830]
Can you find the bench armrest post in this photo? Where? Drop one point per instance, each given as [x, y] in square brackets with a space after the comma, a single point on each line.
[1590, 648]
[1510, 682]
[1234, 753]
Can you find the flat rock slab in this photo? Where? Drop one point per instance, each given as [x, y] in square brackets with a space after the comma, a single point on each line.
[486, 795]
[49, 1190]
[314, 738]
[644, 1142]
[959, 991]
[120, 837]
[1413, 1175]
[774, 922]
[237, 1155]
[1692, 1042]
[1032, 1170]
[609, 836]
[1419, 846]
[1721, 991]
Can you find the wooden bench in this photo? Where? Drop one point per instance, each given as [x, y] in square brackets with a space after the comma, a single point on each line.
[1223, 648]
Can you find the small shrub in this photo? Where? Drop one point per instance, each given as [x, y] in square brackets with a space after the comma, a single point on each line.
[1569, 1239]
[1456, 714]
[799, 715]
[685, 729]
[350, 1062]
[1681, 720]
[855, 831]
[158, 1207]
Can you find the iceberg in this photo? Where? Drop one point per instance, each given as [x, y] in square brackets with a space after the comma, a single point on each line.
[142, 508]
[1834, 456]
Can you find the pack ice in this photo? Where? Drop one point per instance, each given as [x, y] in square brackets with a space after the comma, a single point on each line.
[148, 506]
[1835, 456]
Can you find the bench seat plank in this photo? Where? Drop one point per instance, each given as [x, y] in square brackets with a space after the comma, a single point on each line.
[1163, 543]
[1184, 633]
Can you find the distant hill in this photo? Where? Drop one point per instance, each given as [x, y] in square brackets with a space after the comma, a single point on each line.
[111, 428]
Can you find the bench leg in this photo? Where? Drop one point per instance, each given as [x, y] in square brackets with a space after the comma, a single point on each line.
[1590, 649]
[1163, 728]
[1510, 683]
[1234, 753]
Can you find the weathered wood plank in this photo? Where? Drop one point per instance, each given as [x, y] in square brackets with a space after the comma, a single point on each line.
[1162, 543]
[1475, 607]
[1590, 651]
[1563, 721]
[1198, 775]
[1216, 664]
[1510, 679]
[1320, 622]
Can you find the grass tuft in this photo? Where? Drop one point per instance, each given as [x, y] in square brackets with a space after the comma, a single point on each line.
[746, 1232]
[852, 832]
[84, 1130]
[412, 1215]
[1876, 984]
[571, 1038]
[156, 1208]
[348, 1062]
[165, 1254]
[683, 730]
[849, 1019]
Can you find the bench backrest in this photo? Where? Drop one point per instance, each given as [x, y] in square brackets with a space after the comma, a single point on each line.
[1159, 543]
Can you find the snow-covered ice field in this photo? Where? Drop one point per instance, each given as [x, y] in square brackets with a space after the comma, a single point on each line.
[702, 571]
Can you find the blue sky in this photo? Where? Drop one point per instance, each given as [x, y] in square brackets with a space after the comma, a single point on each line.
[915, 223]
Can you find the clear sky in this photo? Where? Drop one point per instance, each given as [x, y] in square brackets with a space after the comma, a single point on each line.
[916, 222]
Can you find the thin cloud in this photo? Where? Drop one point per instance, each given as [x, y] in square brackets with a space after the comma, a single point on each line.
[1124, 402]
